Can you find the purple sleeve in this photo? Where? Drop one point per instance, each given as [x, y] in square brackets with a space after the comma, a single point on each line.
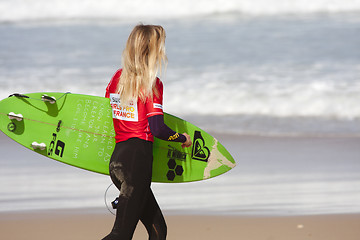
[160, 130]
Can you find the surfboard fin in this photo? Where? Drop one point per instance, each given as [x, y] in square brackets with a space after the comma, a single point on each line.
[19, 117]
[47, 98]
[40, 146]
[19, 95]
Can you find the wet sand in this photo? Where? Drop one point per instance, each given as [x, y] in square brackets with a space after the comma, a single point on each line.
[86, 224]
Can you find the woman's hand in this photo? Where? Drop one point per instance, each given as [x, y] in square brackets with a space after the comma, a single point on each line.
[188, 142]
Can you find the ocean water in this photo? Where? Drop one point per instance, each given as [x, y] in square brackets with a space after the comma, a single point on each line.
[264, 69]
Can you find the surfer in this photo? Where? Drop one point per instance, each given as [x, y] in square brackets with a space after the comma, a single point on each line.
[136, 96]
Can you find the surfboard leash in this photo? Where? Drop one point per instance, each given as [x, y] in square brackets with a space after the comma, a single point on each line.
[113, 203]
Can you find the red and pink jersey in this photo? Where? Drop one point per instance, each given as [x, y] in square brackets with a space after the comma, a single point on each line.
[132, 120]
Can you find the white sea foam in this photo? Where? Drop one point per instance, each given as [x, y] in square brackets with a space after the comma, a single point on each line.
[287, 92]
[39, 10]
[220, 91]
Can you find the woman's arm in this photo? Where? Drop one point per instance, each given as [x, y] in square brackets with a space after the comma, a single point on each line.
[160, 130]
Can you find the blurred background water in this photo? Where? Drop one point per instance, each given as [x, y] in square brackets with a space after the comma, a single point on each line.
[268, 69]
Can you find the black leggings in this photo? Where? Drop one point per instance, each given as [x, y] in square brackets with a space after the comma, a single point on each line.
[130, 170]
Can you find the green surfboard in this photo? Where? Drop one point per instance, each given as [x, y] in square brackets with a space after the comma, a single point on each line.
[78, 130]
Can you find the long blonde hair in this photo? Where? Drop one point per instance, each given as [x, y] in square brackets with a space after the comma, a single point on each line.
[142, 59]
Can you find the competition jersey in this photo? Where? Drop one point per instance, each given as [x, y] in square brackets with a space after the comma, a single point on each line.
[132, 120]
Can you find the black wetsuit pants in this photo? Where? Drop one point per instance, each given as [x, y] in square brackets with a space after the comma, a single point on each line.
[130, 170]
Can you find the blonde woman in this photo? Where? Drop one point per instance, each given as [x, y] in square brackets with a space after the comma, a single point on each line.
[135, 94]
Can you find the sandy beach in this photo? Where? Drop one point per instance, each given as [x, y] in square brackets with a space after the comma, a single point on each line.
[83, 224]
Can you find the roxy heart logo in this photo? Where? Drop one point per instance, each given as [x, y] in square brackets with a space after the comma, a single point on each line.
[200, 151]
